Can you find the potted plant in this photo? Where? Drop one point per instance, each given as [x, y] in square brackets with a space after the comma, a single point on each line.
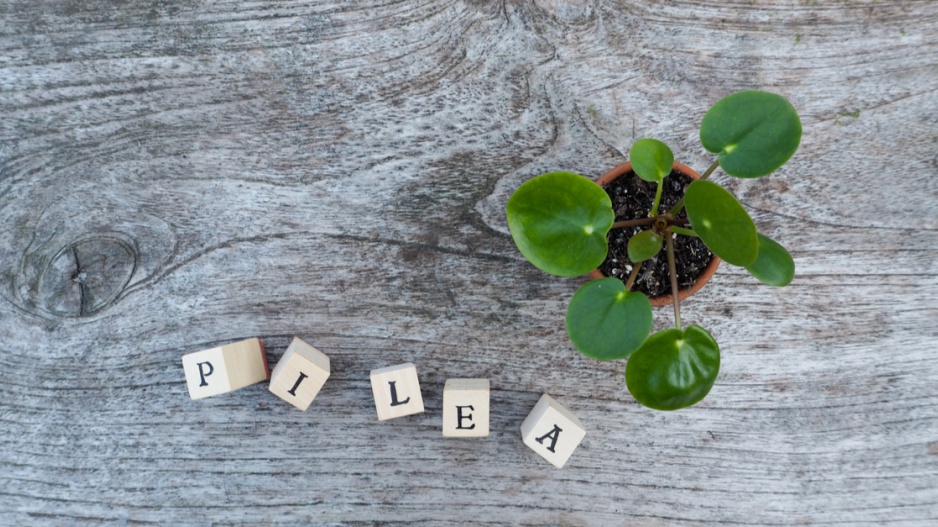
[560, 222]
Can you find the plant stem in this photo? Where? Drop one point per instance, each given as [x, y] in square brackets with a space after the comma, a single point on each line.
[680, 203]
[672, 270]
[654, 206]
[683, 231]
[677, 207]
[632, 223]
[710, 170]
[633, 275]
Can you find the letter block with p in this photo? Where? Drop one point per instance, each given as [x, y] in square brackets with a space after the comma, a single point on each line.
[552, 431]
[226, 368]
[300, 374]
[466, 408]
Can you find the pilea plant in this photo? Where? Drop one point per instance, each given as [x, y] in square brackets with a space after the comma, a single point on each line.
[560, 222]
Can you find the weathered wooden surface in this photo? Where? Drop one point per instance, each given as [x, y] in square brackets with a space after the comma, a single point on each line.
[177, 175]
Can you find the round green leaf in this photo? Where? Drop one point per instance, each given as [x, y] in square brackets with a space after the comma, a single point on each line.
[721, 222]
[606, 322]
[754, 132]
[651, 159]
[773, 265]
[559, 222]
[644, 245]
[673, 369]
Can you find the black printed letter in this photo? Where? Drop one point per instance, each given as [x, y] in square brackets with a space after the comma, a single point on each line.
[203, 374]
[394, 401]
[297, 384]
[553, 435]
[460, 417]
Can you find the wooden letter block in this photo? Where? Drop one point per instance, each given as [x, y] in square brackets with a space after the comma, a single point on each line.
[300, 374]
[225, 369]
[397, 391]
[466, 408]
[552, 431]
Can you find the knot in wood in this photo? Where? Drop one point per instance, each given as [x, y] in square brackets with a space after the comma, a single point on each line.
[86, 276]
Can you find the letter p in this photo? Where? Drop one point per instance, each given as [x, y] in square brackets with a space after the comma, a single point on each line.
[203, 374]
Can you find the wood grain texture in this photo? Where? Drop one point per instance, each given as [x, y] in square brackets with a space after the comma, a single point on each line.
[179, 175]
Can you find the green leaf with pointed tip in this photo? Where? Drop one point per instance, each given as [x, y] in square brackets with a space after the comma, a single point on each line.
[721, 222]
[673, 369]
[559, 222]
[773, 265]
[651, 159]
[754, 132]
[605, 321]
[644, 245]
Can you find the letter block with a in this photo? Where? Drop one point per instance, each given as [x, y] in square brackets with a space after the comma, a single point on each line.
[552, 431]
[466, 408]
[300, 374]
[397, 391]
[226, 368]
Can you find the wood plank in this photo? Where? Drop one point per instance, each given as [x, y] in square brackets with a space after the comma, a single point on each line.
[178, 176]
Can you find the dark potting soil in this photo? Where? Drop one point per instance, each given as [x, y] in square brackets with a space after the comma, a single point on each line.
[632, 198]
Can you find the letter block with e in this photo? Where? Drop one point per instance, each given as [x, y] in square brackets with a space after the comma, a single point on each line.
[397, 391]
[226, 368]
[300, 374]
[466, 408]
[552, 431]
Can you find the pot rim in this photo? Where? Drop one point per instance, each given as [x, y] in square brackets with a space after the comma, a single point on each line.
[708, 272]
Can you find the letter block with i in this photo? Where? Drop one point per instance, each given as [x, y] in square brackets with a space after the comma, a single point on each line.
[397, 391]
[466, 408]
[300, 374]
[225, 369]
[552, 431]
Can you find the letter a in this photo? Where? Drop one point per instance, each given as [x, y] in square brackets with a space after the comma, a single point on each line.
[553, 435]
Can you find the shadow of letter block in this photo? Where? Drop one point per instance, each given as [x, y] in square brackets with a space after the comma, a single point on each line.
[397, 391]
[300, 374]
[225, 369]
[466, 408]
[552, 431]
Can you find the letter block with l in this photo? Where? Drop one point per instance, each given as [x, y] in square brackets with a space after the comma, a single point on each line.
[466, 408]
[226, 368]
[300, 374]
[552, 431]
[397, 391]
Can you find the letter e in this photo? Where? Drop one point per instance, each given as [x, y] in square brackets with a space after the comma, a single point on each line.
[460, 417]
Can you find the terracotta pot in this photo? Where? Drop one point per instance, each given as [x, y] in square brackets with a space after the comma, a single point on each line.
[708, 271]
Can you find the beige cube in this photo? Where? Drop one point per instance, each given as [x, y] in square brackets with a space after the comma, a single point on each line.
[466, 408]
[552, 431]
[226, 368]
[397, 391]
[300, 374]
